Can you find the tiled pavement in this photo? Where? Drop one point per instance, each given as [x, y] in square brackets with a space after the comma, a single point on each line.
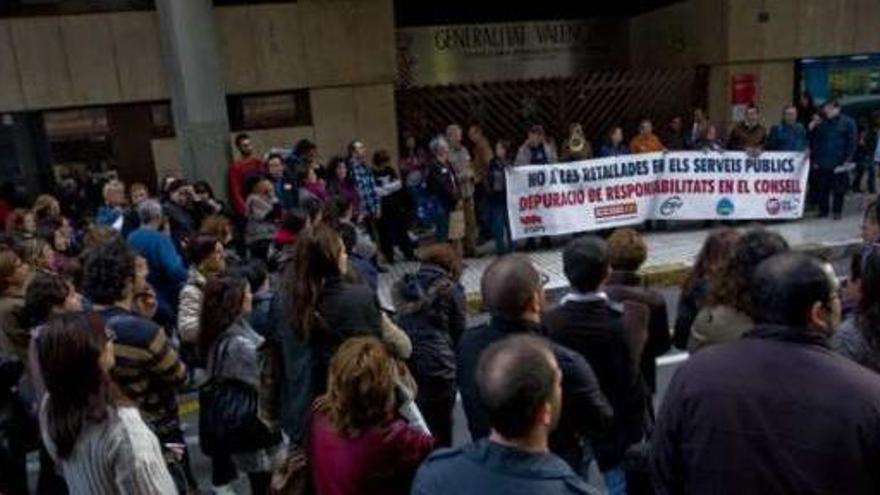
[675, 247]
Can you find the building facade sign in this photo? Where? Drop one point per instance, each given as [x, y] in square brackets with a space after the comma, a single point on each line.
[472, 53]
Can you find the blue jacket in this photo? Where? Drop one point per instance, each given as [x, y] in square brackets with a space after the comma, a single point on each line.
[487, 467]
[167, 271]
[287, 193]
[608, 149]
[106, 216]
[833, 142]
[366, 269]
[785, 137]
[261, 314]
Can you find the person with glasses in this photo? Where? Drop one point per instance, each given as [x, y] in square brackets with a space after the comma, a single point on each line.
[775, 411]
[513, 294]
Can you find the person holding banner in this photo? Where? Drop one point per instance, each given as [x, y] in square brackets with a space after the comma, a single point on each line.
[788, 135]
[833, 146]
[537, 150]
[646, 141]
[698, 126]
[748, 135]
[613, 146]
[708, 140]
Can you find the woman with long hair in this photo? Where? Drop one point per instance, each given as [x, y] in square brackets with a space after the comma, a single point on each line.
[360, 442]
[97, 438]
[47, 296]
[695, 289]
[339, 183]
[325, 310]
[47, 210]
[728, 312]
[859, 337]
[318, 311]
[231, 347]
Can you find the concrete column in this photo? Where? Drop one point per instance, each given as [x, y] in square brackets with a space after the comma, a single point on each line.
[190, 56]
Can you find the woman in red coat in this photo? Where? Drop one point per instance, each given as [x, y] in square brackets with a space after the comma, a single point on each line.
[363, 441]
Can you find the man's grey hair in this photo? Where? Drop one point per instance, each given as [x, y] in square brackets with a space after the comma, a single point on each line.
[437, 143]
[452, 127]
[149, 211]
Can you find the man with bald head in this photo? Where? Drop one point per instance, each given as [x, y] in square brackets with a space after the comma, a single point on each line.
[513, 294]
[520, 387]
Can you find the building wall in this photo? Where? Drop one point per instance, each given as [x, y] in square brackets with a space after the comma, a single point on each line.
[728, 36]
[341, 50]
[663, 37]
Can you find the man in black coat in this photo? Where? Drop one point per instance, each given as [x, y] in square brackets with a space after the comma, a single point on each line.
[514, 296]
[776, 412]
[589, 323]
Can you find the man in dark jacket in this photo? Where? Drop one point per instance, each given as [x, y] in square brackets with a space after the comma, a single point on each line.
[514, 296]
[833, 147]
[519, 382]
[788, 135]
[180, 218]
[748, 135]
[588, 322]
[627, 253]
[776, 412]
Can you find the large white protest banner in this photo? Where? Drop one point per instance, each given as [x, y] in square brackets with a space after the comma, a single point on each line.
[564, 198]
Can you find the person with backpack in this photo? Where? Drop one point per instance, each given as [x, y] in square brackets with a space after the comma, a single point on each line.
[431, 310]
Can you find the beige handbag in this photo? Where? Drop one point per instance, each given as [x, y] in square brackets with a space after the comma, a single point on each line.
[456, 225]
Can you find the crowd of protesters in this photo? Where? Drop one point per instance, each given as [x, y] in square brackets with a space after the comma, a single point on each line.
[267, 307]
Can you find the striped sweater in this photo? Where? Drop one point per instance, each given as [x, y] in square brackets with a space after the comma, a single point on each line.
[148, 369]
